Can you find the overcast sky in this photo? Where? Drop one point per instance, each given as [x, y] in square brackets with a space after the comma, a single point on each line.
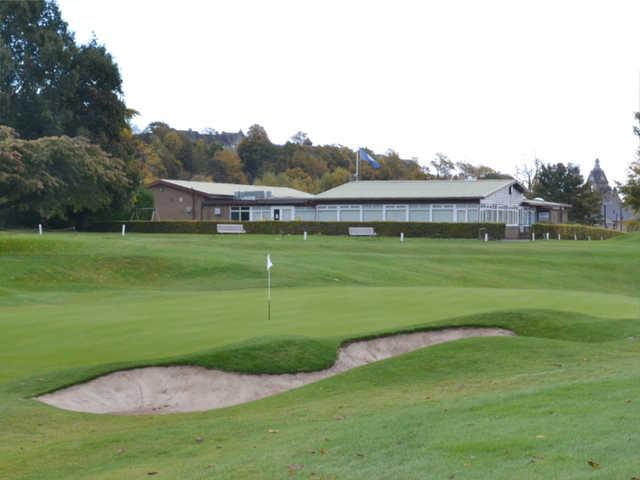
[491, 82]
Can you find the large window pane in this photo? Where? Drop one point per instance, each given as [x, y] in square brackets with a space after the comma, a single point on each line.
[442, 215]
[372, 213]
[326, 215]
[305, 213]
[349, 215]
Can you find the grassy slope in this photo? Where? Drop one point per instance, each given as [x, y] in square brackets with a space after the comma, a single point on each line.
[69, 305]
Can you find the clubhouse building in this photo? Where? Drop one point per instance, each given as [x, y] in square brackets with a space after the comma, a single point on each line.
[458, 201]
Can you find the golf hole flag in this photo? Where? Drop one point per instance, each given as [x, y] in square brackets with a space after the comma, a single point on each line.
[269, 264]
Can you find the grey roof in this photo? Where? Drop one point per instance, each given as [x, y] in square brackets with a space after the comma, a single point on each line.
[427, 189]
[229, 189]
[544, 203]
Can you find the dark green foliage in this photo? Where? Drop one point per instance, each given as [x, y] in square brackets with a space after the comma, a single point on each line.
[567, 232]
[564, 183]
[50, 86]
[389, 229]
[257, 153]
[59, 177]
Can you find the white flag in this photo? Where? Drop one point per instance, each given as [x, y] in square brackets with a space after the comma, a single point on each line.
[269, 264]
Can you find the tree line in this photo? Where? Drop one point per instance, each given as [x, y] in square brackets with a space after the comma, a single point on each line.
[68, 152]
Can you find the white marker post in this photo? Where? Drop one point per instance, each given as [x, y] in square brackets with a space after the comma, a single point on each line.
[124, 229]
[589, 237]
[269, 265]
[575, 237]
[305, 236]
[486, 237]
[547, 235]
[559, 237]
[533, 236]
[39, 229]
[401, 237]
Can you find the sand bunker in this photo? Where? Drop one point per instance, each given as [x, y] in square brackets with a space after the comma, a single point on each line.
[157, 390]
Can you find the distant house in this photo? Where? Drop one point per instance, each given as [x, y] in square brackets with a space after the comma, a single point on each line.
[458, 201]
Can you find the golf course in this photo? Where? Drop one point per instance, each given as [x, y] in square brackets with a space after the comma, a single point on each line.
[558, 399]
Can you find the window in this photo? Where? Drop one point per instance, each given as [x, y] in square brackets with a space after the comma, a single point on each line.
[240, 214]
[216, 211]
[396, 213]
[418, 213]
[349, 213]
[442, 213]
[372, 213]
[180, 199]
[327, 213]
[305, 213]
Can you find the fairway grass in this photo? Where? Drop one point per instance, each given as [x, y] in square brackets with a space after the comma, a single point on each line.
[540, 405]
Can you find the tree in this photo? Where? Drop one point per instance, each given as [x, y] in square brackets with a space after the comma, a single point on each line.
[443, 166]
[50, 86]
[526, 174]
[301, 138]
[333, 179]
[257, 152]
[59, 177]
[226, 166]
[479, 171]
[631, 189]
[565, 184]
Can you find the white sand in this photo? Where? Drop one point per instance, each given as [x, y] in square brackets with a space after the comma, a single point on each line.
[156, 390]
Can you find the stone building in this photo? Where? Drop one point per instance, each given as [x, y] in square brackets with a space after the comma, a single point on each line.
[613, 210]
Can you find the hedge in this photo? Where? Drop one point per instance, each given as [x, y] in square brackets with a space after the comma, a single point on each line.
[581, 232]
[434, 230]
[632, 225]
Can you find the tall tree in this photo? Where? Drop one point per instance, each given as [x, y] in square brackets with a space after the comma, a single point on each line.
[444, 167]
[51, 86]
[565, 184]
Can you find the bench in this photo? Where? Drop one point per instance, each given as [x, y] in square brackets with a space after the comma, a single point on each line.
[230, 228]
[362, 232]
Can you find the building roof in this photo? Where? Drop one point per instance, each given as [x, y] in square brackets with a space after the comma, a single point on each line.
[428, 189]
[544, 203]
[229, 189]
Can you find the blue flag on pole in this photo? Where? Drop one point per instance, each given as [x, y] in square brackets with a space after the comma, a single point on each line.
[365, 156]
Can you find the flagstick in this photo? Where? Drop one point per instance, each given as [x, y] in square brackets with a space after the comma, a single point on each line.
[269, 294]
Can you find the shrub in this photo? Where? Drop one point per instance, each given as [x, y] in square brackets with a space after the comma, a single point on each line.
[582, 232]
[433, 230]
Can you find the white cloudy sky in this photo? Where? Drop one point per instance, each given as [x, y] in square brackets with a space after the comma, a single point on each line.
[492, 82]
